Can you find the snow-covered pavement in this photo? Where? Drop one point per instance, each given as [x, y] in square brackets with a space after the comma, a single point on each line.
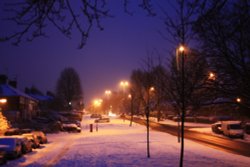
[118, 145]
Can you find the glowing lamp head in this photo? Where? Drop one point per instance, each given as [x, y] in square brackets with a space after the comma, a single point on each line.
[152, 89]
[238, 100]
[211, 76]
[181, 49]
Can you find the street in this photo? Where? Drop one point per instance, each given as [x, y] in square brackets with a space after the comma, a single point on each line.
[221, 143]
[116, 144]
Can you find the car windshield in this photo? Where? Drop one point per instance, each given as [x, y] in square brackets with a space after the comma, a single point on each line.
[235, 126]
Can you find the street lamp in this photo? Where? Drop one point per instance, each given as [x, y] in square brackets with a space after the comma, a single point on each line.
[211, 76]
[151, 89]
[124, 85]
[238, 100]
[97, 103]
[108, 93]
[180, 61]
[131, 108]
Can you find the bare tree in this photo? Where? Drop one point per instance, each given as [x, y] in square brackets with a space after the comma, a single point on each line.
[223, 29]
[159, 84]
[142, 81]
[179, 27]
[33, 17]
[135, 93]
[68, 89]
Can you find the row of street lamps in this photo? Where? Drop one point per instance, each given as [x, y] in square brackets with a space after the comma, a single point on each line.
[98, 101]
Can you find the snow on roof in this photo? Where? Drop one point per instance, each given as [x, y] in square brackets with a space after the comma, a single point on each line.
[8, 91]
[41, 97]
[231, 122]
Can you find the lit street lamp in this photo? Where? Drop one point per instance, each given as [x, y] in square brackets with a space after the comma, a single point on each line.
[124, 85]
[108, 94]
[180, 58]
[238, 100]
[151, 89]
[97, 103]
[211, 76]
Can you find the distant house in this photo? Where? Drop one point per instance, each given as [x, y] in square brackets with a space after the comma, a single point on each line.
[44, 101]
[16, 105]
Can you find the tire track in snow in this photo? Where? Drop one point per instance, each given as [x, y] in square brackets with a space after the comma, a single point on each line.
[54, 160]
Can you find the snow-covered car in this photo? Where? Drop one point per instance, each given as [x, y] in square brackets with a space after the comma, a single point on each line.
[95, 116]
[216, 128]
[26, 144]
[78, 123]
[102, 120]
[16, 131]
[12, 131]
[41, 136]
[71, 128]
[232, 129]
[33, 138]
[11, 146]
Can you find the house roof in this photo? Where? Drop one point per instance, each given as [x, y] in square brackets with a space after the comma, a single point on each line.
[8, 91]
[41, 97]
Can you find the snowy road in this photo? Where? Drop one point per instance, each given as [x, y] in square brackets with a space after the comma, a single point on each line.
[236, 146]
[118, 145]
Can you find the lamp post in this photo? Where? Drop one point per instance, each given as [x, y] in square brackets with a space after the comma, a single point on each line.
[108, 94]
[131, 97]
[123, 85]
[181, 66]
[211, 78]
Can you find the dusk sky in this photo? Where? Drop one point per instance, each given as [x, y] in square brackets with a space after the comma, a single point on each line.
[108, 57]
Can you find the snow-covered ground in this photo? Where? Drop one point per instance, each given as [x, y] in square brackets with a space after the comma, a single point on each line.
[116, 144]
[198, 127]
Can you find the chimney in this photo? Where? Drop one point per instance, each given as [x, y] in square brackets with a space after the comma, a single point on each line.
[3, 79]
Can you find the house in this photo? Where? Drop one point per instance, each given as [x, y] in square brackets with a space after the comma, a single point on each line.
[44, 101]
[14, 104]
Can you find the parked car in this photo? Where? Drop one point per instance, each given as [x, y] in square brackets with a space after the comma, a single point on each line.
[103, 119]
[12, 131]
[41, 136]
[95, 116]
[71, 128]
[26, 144]
[78, 123]
[12, 146]
[232, 129]
[16, 131]
[216, 128]
[2, 157]
[33, 138]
